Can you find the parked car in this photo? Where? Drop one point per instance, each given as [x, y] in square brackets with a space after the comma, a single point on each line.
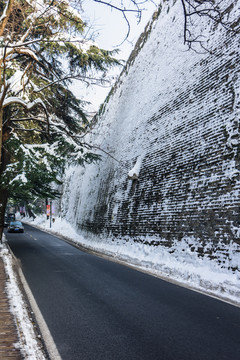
[16, 226]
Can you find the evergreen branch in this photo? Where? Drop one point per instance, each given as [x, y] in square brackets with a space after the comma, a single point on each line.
[32, 118]
[29, 119]
[18, 101]
[31, 48]
[29, 130]
[85, 79]
[31, 42]
[13, 46]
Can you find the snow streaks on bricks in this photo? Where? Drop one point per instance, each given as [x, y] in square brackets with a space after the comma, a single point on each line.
[178, 112]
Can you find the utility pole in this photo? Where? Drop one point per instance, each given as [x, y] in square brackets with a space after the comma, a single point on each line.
[50, 213]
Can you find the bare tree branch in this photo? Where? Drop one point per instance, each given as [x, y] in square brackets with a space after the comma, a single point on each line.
[202, 8]
[122, 9]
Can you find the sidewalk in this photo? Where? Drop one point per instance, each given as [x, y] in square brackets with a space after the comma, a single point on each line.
[8, 330]
[20, 338]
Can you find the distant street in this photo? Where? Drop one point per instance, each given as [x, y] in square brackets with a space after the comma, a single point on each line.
[99, 310]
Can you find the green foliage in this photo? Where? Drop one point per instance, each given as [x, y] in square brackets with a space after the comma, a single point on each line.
[44, 131]
[32, 171]
[94, 58]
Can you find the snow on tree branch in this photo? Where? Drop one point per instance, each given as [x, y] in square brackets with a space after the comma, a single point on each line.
[19, 101]
[4, 14]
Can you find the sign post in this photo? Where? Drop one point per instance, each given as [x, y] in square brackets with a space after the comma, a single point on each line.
[50, 213]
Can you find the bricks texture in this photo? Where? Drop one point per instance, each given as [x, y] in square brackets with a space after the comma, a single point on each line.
[178, 111]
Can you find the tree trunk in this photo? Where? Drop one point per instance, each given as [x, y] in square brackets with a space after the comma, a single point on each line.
[1, 132]
[8, 8]
[3, 191]
[3, 203]
[29, 210]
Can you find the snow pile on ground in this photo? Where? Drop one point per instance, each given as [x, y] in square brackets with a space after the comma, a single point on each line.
[180, 263]
[28, 344]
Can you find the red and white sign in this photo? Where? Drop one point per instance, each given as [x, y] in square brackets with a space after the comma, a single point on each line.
[48, 210]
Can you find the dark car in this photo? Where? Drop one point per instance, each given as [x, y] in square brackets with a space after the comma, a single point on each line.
[15, 226]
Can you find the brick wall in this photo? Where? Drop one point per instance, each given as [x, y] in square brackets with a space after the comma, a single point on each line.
[178, 111]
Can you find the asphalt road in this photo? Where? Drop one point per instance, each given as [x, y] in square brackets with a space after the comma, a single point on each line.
[96, 309]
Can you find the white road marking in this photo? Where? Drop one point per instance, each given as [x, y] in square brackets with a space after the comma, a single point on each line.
[47, 337]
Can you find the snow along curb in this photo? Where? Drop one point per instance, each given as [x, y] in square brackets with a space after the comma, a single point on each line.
[28, 344]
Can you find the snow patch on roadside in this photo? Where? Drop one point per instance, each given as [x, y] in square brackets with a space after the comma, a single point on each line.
[180, 263]
[28, 344]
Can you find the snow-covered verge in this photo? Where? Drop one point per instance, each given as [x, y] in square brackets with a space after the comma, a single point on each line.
[180, 263]
[28, 343]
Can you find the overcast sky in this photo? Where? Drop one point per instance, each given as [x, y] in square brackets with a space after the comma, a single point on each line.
[110, 29]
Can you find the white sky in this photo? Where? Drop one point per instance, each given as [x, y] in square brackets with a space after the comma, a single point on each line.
[110, 29]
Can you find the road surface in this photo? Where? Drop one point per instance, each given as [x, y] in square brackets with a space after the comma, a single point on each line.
[100, 310]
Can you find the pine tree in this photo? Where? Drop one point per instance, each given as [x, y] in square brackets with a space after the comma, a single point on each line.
[42, 49]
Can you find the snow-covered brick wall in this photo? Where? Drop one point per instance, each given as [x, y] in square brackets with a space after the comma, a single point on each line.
[173, 120]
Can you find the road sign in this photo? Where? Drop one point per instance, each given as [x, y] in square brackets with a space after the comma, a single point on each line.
[48, 210]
